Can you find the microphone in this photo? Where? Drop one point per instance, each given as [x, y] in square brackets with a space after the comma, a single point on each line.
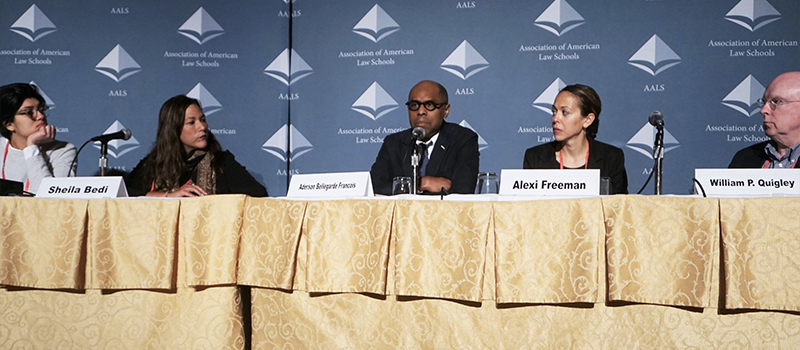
[123, 134]
[656, 119]
[418, 133]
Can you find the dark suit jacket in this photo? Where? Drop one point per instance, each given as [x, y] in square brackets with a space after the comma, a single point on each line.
[455, 157]
[609, 159]
[753, 156]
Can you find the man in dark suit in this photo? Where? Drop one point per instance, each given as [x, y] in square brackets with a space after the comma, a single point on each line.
[780, 107]
[451, 150]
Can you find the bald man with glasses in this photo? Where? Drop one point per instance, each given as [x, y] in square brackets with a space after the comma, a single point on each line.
[450, 155]
[781, 112]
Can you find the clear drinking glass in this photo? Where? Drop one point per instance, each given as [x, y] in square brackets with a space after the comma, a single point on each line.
[401, 185]
[487, 183]
[605, 186]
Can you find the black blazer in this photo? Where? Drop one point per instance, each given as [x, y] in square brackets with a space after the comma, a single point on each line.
[609, 159]
[753, 156]
[455, 157]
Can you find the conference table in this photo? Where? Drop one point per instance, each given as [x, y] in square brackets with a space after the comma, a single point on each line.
[467, 272]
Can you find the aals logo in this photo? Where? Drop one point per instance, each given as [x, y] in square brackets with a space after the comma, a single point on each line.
[33, 24]
[744, 97]
[47, 101]
[482, 144]
[546, 98]
[654, 56]
[207, 100]
[559, 18]
[464, 61]
[288, 70]
[375, 102]
[116, 148]
[281, 145]
[201, 27]
[118, 64]
[753, 14]
[376, 24]
[643, 141]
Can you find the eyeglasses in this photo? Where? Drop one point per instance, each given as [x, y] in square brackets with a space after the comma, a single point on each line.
[431, 106]
[31, 114]
[774, 103]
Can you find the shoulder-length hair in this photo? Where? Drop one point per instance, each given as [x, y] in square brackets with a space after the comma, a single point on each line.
[11, 98]
[167, 158]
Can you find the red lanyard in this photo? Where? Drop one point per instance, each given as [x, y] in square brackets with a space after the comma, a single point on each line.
[766, 164]
[585, 165]
[5, 154]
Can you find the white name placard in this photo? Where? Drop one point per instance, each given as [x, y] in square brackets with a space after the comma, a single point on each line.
[550, 182]
[748, 182]
[353, 184]
[88, 187]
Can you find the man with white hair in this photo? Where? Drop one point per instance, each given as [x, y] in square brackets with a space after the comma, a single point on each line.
[780, 107]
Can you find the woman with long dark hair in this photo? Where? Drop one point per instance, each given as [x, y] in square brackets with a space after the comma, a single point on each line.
[30, 149]
[187, 160]
[576, 118]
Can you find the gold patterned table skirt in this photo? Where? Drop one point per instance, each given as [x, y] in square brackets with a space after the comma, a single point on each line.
[610, 272]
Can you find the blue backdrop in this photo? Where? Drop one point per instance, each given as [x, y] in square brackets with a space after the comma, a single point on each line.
[314, 86]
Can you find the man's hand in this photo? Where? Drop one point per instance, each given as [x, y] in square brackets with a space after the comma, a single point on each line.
[45, 134]
[434, 184]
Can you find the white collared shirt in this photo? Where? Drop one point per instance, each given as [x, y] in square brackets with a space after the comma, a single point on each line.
[431, 143]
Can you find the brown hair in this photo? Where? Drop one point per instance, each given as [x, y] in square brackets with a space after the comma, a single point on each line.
[166, 159]
[589, 102]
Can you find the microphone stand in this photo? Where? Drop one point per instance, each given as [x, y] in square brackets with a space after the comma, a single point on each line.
[103, 159]
[414, 167]
[658, 156]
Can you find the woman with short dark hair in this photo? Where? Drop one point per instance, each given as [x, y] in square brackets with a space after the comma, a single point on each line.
[30, 149]
[187, 160]
[576, 117]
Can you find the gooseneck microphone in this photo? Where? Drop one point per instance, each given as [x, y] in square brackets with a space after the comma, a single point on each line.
[656, 119]
[123, 134]
[418, 133]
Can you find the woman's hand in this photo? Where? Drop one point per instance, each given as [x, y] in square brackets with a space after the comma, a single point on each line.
[188, 190]
[45, 134]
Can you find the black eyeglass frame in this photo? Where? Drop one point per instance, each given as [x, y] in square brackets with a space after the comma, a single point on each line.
[429, 105]
[29, 113]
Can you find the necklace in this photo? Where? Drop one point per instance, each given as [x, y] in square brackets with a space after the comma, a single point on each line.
[585, 165]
